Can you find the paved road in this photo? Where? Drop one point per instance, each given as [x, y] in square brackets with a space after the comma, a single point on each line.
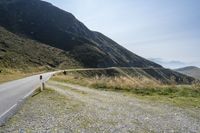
[12, 92]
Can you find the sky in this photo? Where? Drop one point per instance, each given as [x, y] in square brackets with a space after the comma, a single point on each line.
[164, 31]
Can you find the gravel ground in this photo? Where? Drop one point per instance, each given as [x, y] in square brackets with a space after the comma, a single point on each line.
[72, 108]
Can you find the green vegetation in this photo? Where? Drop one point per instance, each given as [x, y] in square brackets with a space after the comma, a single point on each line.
[182, 95]
[62, 30]
[135, 85]
[21, 57]
[25, 54]
[180, 101]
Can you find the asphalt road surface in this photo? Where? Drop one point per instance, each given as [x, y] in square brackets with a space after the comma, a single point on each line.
[13, 92]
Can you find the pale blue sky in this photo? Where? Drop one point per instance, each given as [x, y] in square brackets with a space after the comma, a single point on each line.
[165, 30]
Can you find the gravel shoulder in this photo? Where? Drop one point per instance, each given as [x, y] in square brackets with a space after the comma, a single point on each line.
[72, 108]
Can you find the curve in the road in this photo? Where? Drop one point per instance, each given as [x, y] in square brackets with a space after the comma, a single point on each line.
[15, 92]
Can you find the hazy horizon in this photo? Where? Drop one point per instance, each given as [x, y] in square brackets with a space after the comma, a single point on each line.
[167, 32]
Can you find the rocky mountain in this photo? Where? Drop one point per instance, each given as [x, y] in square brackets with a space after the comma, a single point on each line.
[41, 21]
[190, 71]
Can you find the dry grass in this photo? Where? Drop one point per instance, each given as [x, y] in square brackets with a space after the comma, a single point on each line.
[120, 82]
[180, 95]
[142, 86]
[6, 78]
[8, 74]
[196, 84]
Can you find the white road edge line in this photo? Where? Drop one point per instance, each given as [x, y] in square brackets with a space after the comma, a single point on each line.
[2, 119]
[8, 110]
[18, 102]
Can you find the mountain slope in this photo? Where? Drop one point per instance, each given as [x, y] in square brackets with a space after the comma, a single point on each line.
[41, 21]
[190, 71]
[44, 35]
[19, 53]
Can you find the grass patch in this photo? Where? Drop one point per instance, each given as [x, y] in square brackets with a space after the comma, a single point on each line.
[8, 74]
[183, 102]
[18, 52]
[182, 95]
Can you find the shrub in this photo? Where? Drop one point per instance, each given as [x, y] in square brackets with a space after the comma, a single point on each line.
[196, 84]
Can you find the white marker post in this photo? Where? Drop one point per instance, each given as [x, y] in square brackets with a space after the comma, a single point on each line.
[42, 84]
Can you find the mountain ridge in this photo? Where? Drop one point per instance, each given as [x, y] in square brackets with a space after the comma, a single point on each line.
[41, 21]
[192, 71]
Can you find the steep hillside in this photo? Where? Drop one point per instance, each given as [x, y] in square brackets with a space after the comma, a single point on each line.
[190, 71]
[44, 35]
[48, 24]
[161, 75]
[20, 53]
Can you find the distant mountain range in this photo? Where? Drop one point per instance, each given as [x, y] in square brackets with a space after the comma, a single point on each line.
[168, 63]
[36, 33]
[190, 71]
